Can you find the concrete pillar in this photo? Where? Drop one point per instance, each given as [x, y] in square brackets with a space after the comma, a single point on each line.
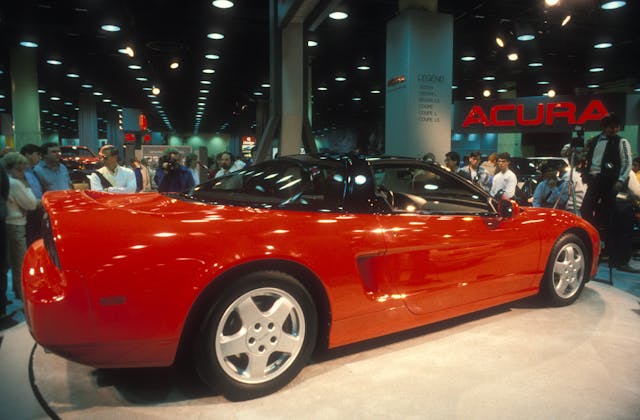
[115, 135]
[88, 122]
[292, 93]
[6, 130]
[419, 76]
[24, 97]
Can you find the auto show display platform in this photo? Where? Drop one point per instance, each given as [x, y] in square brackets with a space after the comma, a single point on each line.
[520, 360]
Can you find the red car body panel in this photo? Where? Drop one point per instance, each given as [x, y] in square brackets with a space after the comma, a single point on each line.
[122, 300]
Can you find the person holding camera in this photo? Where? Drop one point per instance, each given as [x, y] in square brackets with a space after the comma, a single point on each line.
[112, 177]
[607, 166]
[171, 176]
[550, 192]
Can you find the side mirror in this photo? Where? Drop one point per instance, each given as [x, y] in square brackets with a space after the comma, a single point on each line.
[507, 208]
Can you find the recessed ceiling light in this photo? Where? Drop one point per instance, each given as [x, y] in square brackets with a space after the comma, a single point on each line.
[205, 82]
[454, 87]
[526, 37]
[602, 45]
[376, 91]
[204, 91]
[106, 100]
[312, 43]
[323, 88]
[222, 4]
[54, 62]
[513, 57]
[29, 44]
[486, 93]
[212, 56]
[467, 58]
[55, 98]
[500, 42]
[551, 93]
[257, 93]
[469, 97]
[265, 85]
[488, 78]
[73, 75]
[146, 88]
[42, 91]
[141, 79]
[551, 2]
[202, 98]
[155, 90]
[596, 69]
[208, 71]
[215, 35]
[543, 82]
[338, 15]
[610, 5]
[593, 86]
[134, 67]
[110, 28]
[340, 79]
[356, 98]
[636, 89]
[97, 93]
[174, 65]
[2, 96]
[535, 64]
[502, 90]
[364, 67]
[566, 20]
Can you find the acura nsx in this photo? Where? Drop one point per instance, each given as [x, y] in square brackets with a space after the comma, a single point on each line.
[250, 273]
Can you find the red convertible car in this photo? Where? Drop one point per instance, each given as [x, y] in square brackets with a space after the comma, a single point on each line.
[249, 273]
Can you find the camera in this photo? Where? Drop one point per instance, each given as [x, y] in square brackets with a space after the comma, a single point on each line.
[578, 139]
[169, 163]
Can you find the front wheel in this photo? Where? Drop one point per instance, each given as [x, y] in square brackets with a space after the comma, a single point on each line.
[257, 336]
[567, 271]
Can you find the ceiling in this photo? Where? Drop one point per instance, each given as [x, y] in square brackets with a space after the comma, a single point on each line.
[164, 30]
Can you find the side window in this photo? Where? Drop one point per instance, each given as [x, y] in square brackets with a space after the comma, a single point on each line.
[423, 189]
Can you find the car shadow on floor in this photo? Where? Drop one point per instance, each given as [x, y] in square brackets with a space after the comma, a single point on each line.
[148, 386]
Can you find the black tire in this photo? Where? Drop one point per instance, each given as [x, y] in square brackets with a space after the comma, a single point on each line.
[567, 271]
[257, 336]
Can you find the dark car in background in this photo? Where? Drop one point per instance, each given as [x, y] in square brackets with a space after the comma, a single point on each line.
[80, 161]
[529, 174]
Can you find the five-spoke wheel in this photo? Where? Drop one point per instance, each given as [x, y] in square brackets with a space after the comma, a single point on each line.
[258, 336]
[567, 271]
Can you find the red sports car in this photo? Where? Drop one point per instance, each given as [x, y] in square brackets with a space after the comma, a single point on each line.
[249, 273]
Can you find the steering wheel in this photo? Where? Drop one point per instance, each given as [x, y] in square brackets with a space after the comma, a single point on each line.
[387, 194]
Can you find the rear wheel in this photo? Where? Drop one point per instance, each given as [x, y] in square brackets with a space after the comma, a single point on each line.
[257, 336]
[567, 271]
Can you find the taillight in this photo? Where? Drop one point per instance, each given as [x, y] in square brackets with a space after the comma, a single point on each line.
[49, 243]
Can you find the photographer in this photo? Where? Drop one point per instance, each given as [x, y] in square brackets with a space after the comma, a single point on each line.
[171, 176]
[550, 192]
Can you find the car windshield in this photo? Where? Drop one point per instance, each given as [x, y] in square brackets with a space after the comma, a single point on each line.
[289, 184]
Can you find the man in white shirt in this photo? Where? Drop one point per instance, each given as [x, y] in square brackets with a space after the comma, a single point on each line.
[504, 181]
[112, 177]
[228, 164]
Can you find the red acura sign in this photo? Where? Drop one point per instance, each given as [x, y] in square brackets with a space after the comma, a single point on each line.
[534, 114]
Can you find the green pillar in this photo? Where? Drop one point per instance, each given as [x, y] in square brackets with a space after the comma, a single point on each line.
[24, 96]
